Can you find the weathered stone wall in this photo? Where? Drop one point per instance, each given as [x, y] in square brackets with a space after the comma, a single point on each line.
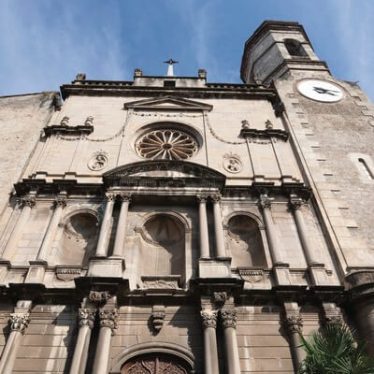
[21, 120]
[182, 327]
[47, 344]
[331, 139]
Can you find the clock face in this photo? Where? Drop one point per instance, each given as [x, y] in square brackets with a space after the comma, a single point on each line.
[320, 90]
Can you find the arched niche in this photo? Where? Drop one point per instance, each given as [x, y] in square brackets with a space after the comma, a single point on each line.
[78, 238]
[245, 242]
[167, 353]
[162, 252]
[295, 48]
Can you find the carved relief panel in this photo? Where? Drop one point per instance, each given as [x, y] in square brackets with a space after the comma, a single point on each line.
[155, 364]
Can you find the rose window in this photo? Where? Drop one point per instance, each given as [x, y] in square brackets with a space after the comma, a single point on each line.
[167, 145]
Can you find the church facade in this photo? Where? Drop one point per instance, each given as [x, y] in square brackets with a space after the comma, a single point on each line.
[172, 225]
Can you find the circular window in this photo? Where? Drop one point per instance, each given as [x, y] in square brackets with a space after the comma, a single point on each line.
[165, 144]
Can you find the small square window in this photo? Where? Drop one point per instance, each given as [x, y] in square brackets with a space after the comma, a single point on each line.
[169, 83]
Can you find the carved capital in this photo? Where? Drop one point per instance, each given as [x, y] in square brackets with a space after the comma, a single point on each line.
[294, 324]
[28, 201]
[216, 198]
[296, 203]
[209, 319]
[335, 319]
[265, 202]
[59, 202]
[228, 317]
[124, 196]
[19, 322]
[202, 198]
[110, 196]
[86, 317]
[108, 318]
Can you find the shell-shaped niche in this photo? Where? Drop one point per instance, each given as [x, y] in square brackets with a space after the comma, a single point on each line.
[245, 242]
[79, 239]
[163, 242]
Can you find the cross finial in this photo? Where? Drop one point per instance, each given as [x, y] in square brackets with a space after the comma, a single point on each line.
[170, 62]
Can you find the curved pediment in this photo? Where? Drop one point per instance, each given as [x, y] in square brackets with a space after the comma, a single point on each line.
[164, 173]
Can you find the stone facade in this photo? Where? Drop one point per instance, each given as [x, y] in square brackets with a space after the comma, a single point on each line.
[171, 225]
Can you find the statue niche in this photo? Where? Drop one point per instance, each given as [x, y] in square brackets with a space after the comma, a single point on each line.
[245, 242]
[79, 238]
[162, 251]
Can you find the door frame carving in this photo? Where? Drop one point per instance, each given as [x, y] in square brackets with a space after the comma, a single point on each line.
[149, 348]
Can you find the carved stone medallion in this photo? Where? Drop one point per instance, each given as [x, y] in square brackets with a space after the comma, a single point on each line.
[98, 161]
[232, 163]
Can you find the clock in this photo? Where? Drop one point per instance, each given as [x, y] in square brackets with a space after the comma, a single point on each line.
[320, 90]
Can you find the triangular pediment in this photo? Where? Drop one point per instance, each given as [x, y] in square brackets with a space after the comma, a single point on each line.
[159, 173]
[168, 103]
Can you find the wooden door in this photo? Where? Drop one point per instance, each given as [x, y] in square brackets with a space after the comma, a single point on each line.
[155, 364]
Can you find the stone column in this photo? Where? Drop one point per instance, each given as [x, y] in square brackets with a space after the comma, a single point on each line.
[18, 325]
[218, 228]
[102, 245]
[108, 322]
[209, 319]
[27, 204]
[265, 203]
[203, 227]
[121, 227]
[228, 318]
[59, 204]
[296, 205]
[294, 326]
[86, 323]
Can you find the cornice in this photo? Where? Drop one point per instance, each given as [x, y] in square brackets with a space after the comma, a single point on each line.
[211, 90]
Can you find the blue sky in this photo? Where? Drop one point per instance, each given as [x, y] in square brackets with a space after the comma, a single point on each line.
[44, 43]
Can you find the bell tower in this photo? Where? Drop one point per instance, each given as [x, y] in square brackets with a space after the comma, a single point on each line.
[275, 49]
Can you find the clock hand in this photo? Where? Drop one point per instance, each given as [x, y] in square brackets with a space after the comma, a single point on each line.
[321, 90]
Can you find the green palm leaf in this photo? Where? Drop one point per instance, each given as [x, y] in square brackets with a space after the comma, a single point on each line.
[333, 350]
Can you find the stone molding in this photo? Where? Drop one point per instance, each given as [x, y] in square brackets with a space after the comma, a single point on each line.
[99, 296]
[19, 322]
[264, 134]
[228, 318]
[209, 319]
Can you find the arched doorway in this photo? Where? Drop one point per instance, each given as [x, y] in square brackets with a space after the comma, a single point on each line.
[155, 363]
